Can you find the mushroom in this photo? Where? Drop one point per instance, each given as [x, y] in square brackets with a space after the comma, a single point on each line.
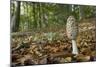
[72, 32]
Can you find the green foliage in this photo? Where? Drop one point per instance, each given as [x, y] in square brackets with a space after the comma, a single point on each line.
[39, 16]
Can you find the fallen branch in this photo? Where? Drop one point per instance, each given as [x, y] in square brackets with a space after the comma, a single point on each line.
[20, 34]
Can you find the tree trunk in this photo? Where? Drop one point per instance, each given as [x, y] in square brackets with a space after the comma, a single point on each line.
[17, 18]
[12, 23]
[81, 13]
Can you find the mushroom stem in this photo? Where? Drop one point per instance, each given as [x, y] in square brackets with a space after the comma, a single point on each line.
[74, 47]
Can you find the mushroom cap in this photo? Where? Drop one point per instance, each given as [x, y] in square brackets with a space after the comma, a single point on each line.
[72, 28]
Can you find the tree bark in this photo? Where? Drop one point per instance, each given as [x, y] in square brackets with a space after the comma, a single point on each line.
[17, 18]
[81, 13]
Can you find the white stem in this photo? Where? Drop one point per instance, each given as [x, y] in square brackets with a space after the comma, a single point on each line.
[74, 47]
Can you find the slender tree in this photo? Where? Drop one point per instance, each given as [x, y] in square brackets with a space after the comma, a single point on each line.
[16, 28]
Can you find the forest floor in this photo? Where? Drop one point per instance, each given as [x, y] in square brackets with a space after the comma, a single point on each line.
[55, 48]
